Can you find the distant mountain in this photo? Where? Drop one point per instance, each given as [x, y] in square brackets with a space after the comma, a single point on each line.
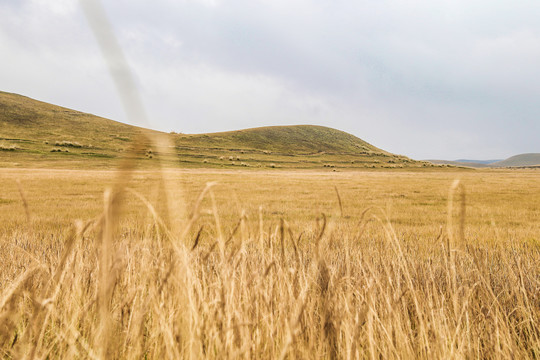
[485, 162]
[531, 159]
[35, 133]
[463, 163]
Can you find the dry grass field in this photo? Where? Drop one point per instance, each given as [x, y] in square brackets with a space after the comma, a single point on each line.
[269, 264]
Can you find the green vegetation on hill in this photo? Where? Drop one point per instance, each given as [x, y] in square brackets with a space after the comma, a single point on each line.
[297, 140]
[34, 133]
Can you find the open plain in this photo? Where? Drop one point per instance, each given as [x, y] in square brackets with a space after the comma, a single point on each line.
[270, 264]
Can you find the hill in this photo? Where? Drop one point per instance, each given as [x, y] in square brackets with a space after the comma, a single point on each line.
[298, 146]
[38, 134]
[296, 139]
[531, 159]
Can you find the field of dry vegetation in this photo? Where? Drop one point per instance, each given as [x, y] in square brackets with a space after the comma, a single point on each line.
[269, 265]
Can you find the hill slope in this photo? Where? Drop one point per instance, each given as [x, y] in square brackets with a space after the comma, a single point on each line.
[34, 133]
[530, 159]
[22, 116]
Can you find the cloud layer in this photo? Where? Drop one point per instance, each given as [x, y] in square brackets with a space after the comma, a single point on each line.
[444, 79]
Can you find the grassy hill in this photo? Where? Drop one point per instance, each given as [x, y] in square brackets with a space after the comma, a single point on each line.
[38, 134]
[298, 139]
[531, 159]
[299, 146]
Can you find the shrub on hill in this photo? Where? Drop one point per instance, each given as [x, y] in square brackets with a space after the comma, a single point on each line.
[68, 144]
[4, 147]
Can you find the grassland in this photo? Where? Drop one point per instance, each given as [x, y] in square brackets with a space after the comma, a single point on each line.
[270, 264]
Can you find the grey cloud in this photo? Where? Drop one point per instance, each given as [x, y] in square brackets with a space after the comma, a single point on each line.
[426, 79]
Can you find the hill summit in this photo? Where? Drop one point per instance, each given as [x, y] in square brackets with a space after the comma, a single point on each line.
[35, 133]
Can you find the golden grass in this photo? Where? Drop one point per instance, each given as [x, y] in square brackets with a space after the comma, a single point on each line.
[270, 265]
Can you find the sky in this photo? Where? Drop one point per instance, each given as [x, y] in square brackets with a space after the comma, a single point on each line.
[430, 79]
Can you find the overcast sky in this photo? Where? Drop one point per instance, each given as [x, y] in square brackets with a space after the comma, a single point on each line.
[424, 78]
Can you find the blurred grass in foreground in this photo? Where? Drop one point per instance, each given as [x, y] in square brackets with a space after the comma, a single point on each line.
[256, 270]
